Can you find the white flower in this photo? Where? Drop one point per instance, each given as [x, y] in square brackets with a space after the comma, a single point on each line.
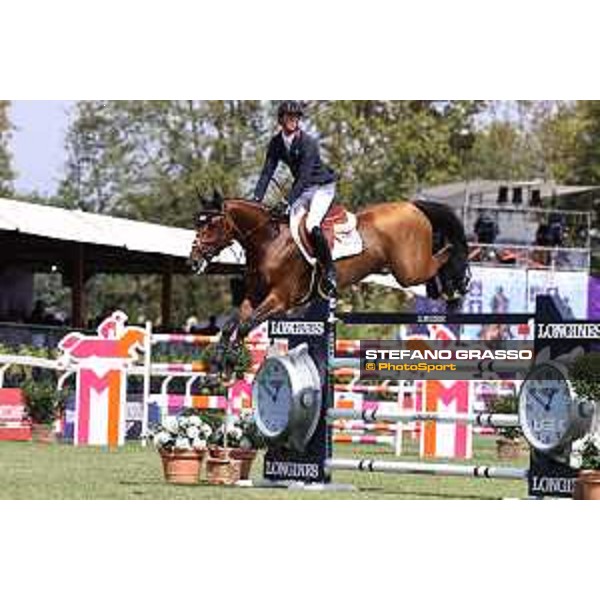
[161, 438]
[195, 421]
[184, 422]
[245, 444]
[171, 424]
[183, 444]
[199, 444]
[193, 432]
[246, 415]
[235, 433]
[206, 430]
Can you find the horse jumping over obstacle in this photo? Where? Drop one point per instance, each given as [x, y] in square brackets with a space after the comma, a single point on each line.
[419, 242]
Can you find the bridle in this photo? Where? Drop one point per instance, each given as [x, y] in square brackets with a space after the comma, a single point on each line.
[231, 231]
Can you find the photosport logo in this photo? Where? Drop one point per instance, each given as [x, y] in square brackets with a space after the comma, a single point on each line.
[458, 360]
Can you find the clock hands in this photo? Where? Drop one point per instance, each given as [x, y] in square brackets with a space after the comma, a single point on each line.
[278, 385]
[551, 393]
[270, 391]
[539, 400]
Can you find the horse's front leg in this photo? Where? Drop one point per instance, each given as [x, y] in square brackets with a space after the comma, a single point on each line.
[272, 305]
[231, 337]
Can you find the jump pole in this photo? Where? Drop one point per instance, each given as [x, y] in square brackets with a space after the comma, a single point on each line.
[390, 415]
[423, 468]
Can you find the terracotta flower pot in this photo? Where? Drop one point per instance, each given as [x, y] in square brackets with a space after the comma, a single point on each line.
[587, 486]
[508, 449]
[43, 433]
[219, 452]
[182, 466]
[222, 471]
[246, 458]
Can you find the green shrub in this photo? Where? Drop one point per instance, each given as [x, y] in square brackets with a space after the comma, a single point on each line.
[43, 402]
[506, 405]
[584, 374]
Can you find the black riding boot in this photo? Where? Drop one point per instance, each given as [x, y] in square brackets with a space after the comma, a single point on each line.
[323, 256]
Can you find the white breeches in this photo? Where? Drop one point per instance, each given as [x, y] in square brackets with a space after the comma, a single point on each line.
[317, 201]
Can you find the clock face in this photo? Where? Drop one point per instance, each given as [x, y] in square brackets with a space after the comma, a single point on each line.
[546, 408]
[273, 398]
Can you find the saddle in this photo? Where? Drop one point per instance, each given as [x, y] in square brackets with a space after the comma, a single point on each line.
[339, 229]
[337, 218]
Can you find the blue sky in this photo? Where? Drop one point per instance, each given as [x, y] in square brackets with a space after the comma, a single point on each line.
[37, 143]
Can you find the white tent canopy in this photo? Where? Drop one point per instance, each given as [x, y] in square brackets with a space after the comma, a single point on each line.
[102, 230]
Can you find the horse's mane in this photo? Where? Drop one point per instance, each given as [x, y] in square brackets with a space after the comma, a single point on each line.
[257, 213]
[260, 210]
[251, 204]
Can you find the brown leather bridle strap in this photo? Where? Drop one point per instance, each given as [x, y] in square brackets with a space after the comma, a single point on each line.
[236, 233]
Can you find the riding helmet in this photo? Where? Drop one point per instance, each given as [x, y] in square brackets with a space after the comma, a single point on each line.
[289, 107]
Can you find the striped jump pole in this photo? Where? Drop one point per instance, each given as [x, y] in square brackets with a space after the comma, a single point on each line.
[196, 339]
[423, 468]
[364, 439]
[361, 427]
[367, 389]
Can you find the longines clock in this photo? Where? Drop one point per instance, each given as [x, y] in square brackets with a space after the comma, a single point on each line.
[287, 397]
[550, 415]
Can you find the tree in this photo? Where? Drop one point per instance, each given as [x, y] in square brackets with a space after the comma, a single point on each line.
[384, 150]
[586, 170]
[528, 140]
[7, 174]
[500, 153]
[150, 160]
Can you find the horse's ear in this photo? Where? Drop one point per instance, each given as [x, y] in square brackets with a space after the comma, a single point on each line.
[217, 199]
[204, 204]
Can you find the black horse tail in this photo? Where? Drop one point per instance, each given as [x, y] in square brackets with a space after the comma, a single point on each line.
[454, 276]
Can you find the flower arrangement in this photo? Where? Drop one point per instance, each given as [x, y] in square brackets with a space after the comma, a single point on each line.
[183, 432]
[584, 374]
[586, 453]
[239, 431]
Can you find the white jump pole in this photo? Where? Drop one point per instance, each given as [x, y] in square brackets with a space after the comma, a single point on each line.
[388, 414]
[418, 468]
[147, 382]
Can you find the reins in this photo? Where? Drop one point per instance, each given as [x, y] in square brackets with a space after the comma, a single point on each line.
[232, 228]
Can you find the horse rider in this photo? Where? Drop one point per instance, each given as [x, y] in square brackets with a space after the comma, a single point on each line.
[314, 182]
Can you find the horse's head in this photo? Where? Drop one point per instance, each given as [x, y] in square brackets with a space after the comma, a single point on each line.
[213, 234]
[219, 222]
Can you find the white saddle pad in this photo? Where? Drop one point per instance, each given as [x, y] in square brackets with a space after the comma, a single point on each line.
[347, 241]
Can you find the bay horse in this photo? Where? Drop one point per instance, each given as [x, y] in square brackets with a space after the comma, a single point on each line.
[419, 242]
